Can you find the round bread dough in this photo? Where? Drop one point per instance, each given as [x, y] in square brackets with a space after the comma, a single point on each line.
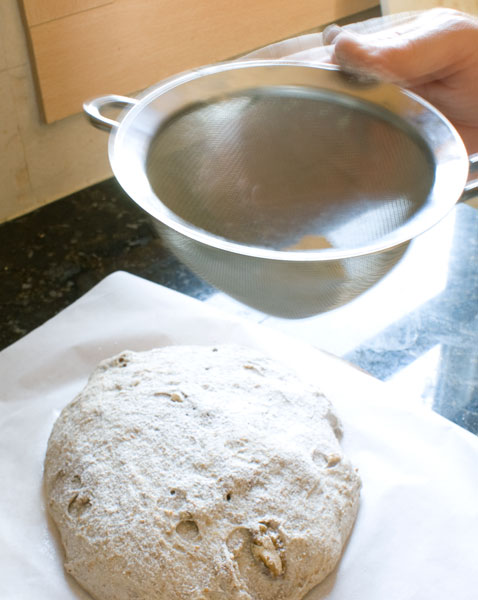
[199, 473]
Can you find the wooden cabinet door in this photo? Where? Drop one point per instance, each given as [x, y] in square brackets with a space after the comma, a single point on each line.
[86, 48]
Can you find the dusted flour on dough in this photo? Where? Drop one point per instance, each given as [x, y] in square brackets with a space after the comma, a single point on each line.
[199, 473]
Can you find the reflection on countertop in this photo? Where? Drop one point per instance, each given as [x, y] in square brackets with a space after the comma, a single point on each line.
[417, 329]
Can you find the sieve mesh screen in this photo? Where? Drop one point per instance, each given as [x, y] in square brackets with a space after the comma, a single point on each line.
[272, 168]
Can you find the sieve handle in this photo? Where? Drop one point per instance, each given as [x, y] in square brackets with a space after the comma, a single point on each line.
[94, 107]
[471, 188]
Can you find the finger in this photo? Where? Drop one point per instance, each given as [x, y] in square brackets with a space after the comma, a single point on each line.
[412, 54]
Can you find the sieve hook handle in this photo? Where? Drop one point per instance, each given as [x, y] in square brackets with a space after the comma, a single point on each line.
[471, 188]
[93, 109]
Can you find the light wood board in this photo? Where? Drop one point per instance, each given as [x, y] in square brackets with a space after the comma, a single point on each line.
[41, 11]
[123, 46]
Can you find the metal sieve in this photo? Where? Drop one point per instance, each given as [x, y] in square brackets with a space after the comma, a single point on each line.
[289, 186]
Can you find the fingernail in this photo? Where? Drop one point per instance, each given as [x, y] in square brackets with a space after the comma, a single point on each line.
[330, 33]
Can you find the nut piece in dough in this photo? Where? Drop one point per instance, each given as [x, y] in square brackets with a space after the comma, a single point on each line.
[266, 547]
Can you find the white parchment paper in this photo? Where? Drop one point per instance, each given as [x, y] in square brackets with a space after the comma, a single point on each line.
[416, 536]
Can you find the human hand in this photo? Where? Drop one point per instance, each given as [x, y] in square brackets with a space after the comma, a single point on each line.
[434, 54]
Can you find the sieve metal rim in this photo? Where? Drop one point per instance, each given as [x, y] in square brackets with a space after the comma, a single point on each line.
[451, 160]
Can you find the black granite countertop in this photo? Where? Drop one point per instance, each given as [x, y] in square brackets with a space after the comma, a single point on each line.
[52, 256]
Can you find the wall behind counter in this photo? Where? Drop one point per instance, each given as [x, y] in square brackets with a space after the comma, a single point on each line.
[39, 163]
